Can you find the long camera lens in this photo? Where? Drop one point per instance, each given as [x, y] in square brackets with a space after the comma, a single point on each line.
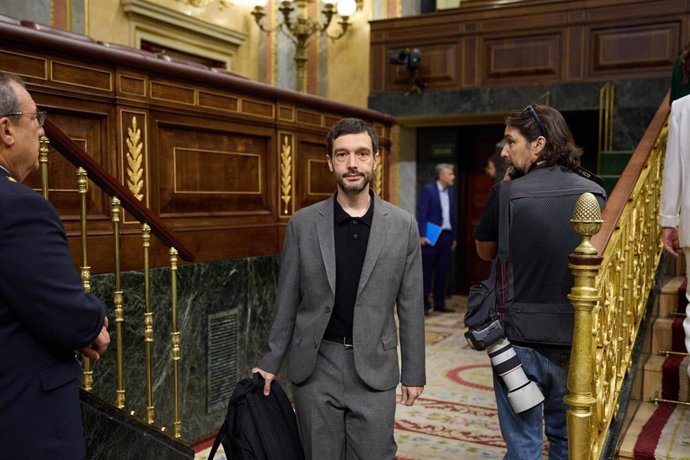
[523, 394]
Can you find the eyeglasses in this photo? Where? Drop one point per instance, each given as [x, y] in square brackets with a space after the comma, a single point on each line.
[342, 156]
[39, 116]
[535, 117]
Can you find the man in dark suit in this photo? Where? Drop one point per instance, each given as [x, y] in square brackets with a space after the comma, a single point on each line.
[44, 313]
[437, 205]
[348, 264]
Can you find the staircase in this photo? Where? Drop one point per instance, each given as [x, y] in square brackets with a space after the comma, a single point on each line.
[656, 428]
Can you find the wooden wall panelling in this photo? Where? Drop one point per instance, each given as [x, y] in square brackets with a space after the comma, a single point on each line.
[469, 62]
[24, 64]
[439, 65]
[574, 52]
[91, 131]
[132, 84]
[377, 61]
[548, 42]
[514, 58]
[314, 180]
[214, 171]
[204, 153]
[643, 47]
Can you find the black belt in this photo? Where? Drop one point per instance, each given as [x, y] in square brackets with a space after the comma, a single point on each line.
[346, 341]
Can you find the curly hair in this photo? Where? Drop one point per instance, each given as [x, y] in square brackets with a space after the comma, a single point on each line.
[542, 120]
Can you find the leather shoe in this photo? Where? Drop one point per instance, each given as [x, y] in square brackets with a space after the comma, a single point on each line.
[444, 310]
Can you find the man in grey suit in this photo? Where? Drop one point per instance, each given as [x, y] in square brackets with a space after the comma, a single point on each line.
[348, 264]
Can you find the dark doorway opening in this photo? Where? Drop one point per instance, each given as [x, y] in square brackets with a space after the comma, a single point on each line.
[469, 147]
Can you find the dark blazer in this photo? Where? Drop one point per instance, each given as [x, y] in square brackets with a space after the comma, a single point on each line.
[429, 209]
[44, 317]
[391, 280]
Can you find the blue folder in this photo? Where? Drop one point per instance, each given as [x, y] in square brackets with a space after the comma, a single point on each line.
[432, 232]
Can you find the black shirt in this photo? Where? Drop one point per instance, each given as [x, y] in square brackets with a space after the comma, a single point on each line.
[351, 238]
[487, 227]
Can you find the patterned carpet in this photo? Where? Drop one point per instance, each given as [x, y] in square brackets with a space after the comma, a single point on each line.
[456, 416]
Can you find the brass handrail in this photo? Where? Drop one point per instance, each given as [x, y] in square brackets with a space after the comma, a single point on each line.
[118, 294]
[611, 291]
[606, 120]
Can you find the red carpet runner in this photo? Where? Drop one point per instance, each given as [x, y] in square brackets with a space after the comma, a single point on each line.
[673, 386]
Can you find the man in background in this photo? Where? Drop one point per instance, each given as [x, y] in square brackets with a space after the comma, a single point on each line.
[674, 209]
[538, 321]
[436, 205]
[44, 313]
[349, 264]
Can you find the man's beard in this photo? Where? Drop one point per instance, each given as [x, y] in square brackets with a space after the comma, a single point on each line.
[354, 188]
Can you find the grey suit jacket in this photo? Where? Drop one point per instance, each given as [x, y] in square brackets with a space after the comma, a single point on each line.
[391, 276]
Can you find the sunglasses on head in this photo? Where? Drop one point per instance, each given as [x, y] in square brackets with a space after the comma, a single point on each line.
[535, 117]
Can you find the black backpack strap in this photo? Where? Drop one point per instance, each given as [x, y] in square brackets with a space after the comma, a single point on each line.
[503, 247]
[220, 437]
[241, 389]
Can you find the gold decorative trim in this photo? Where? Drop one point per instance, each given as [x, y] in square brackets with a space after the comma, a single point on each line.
[378, 175]
[286, 173]
[135, 160]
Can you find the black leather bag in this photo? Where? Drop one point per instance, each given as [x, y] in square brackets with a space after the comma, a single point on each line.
[482, 300]
[487, 299]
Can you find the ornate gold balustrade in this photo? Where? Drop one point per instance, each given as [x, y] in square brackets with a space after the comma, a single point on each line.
[118, 316]
[613, 280]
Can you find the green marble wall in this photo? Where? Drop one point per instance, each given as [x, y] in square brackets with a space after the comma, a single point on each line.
[247, 285]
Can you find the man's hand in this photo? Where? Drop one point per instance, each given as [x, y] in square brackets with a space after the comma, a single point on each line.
[454, 245]
[268, 378]
[410, 394]
[669, 236]
[423, 241]
[98, 347]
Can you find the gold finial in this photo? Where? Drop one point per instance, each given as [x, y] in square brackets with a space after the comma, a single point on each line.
[586, 222]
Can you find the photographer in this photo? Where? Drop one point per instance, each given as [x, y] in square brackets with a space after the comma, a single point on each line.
[535, 279]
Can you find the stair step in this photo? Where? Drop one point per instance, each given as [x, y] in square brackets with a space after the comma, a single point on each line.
[662, 334]
[651, 384]
[627, 447]
[672, 443]
[668, 299]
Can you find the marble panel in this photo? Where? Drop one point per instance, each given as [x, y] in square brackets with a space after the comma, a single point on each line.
[111, 435]
[245, 285]
[565, 96]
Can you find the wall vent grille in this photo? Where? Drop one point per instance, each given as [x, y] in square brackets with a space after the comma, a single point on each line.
[222, 359]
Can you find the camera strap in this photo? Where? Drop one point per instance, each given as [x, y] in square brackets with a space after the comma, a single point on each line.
[503, 244]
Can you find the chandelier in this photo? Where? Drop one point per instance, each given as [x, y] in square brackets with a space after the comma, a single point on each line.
[300, 27]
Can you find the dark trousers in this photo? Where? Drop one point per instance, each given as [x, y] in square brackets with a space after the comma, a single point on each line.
[435, 262]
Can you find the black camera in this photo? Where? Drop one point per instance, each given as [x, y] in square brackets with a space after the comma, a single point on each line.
[407, 57]
[523, 394]
[485, 334]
